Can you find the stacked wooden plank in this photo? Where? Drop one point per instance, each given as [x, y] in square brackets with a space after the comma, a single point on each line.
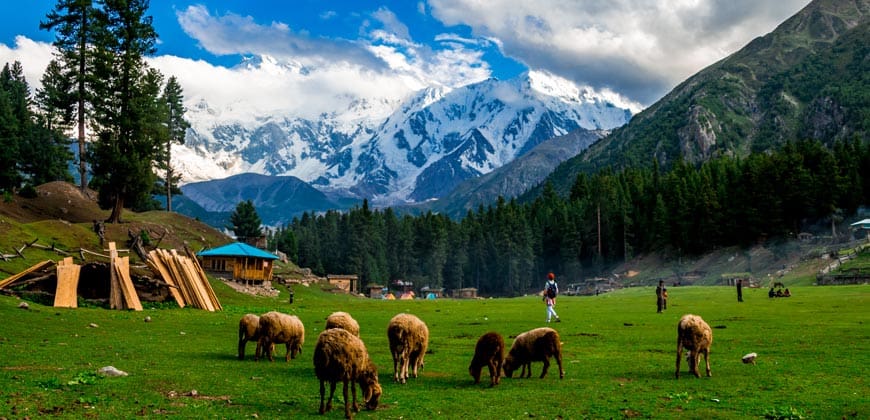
[122, 294]
[188, 282]
[66, 295]
[36, 267]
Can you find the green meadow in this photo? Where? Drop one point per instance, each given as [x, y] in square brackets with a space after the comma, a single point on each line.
[619, 355]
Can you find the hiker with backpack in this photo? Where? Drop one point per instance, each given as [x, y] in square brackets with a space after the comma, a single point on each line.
[551, 290]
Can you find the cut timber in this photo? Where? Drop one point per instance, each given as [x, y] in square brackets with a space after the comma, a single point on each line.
[204, 279]
[128, 291]
[39, 266]
[190, 276]
[116, 300]
[67, 284]
[155, 262]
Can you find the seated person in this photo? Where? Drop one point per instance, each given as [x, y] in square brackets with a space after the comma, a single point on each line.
[771, 293]
[779, 293]
[786, 293]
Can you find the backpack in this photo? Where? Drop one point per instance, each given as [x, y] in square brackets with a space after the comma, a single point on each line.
[551, 290]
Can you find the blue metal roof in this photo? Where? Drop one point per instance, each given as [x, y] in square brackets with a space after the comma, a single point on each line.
[237, 249]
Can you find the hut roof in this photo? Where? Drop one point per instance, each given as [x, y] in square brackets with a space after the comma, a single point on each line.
[237, 249]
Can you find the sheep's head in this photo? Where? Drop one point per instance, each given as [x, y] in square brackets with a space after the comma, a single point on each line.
[509, 366]
[371, 389]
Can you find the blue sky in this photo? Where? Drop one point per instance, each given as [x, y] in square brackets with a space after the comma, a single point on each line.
[637, 49]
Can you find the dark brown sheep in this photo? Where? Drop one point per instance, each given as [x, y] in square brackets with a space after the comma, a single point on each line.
[249, 330]
[489, 351]
[409, 338]
[341, 356]
[536, 345]
[694, 335]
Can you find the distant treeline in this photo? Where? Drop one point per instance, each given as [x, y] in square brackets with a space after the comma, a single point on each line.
[609, 217]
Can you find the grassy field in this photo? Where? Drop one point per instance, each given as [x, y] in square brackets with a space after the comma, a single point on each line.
[814, 352]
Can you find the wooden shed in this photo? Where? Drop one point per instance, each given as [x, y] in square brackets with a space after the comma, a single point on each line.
[242, 261]
[346, 282]
[376, 291]
[466, 293]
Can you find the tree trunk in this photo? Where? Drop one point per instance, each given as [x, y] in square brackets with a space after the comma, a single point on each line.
[117, 209]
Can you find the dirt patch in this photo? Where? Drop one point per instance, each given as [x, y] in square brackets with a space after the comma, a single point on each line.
[55, 200]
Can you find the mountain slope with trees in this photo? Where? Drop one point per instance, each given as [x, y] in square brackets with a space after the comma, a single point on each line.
[805, 80]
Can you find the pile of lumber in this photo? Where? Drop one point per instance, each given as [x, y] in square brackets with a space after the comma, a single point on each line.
[185, 277]
[122, 294]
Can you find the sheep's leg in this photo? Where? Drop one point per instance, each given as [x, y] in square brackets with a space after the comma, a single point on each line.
[353, 393]
[492, 370]
[546, 367]
[242, 343]
[396, 366]
[404, 373]
[559, 363]
[287, 356]
[346, 401]
[322, 395]
[528, 369]
[707, 361]
[331, 394]
[679, 356]
[498, 368]
[696, 359]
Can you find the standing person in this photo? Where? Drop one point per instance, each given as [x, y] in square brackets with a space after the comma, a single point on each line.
[551, 290]
[661, 297]
[740, 290]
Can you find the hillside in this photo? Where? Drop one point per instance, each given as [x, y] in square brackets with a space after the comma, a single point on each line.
[805, 80]
[62, 216]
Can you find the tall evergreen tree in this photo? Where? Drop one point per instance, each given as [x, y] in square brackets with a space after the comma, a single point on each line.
[126, 147]
[76, 29]
[246, 223]
[173, 97]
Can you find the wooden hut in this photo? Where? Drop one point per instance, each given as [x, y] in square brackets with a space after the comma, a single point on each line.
[376, 291]
[346, 282]
[466, 293]
[242, 261]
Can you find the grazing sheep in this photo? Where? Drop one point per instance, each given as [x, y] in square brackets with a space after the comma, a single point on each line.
[278, 328]
[696, 336]
[341, 356]
[249, 328]
[489, 351]
[409, 338]
[344, 321]
[536, 345]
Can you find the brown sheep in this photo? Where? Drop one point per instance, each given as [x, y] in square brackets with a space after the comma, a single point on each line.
[278, 328]
[409, 338]
[342, 320]
[249, 330]
[536, 345]
[489, 351]
[341, 356]
[696, 336]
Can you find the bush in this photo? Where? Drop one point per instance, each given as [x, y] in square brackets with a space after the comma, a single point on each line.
[28, 191]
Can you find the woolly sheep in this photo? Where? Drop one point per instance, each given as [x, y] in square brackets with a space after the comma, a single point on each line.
[489, 351]
[536, 345]
[341, 356]
[696, 336]
[249, 328]
[409, 338]
[278, 328]
[342, 320]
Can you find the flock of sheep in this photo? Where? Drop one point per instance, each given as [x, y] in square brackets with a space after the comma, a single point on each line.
[340, 355]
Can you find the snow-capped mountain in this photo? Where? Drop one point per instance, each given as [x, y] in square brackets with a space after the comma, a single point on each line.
[393, 151]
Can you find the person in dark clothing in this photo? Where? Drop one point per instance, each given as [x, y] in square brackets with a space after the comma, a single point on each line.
[740, 290]
[661, 296]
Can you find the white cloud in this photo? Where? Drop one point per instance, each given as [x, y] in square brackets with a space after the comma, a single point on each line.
[640, 48]
[34, 58]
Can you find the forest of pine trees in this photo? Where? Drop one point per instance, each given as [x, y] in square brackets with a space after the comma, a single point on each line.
[506, 248]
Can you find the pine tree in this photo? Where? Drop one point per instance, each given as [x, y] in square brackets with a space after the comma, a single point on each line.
[126, 146]
[177, 126]
[246, 223]
[75, 25]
